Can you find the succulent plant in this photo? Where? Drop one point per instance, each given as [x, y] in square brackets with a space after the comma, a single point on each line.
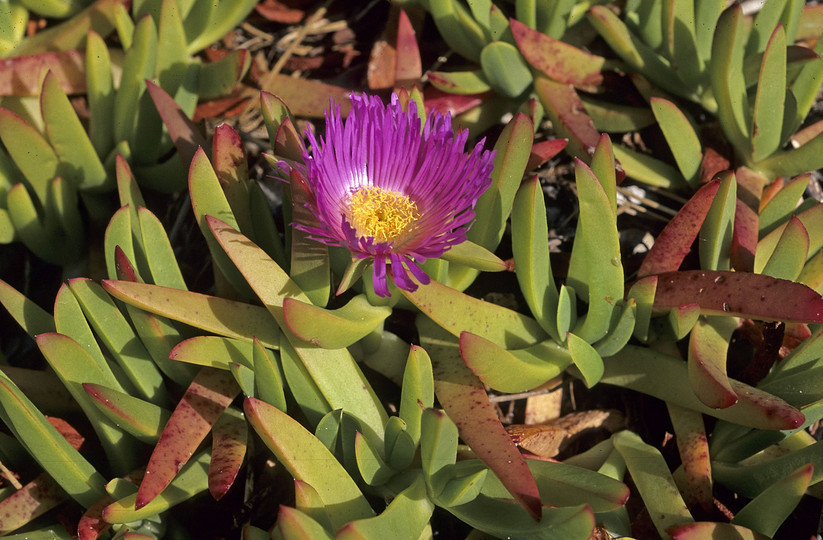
[50, 164]
[721, 320]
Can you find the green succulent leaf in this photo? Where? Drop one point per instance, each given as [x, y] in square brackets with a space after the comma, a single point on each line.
[139, 64]
[333, 370]
[566, 485]
[767, 114]
[333, 329]
[728, 85]
[648, 169]
[219, 78]
[621, 333]
[708, 348]
[783, 204]
[214, 314]
[585, 358]
[268, 376]
[789, 256]
[633, 367]
[681, 137]
[766, 512]
[642, 292]
[716, 232]
[751, 480]
[294, 524]
[458, 28]
[513, 370]
[651, 475]
[457, 312]
[405, 518]
[599, 274]
[309, 461]
[222, 18]
[32, 318]
[504, 518]
[417, 391]
[69, 139]
[466, 402]
[74, 366]
[371, 465]
[30, 151]
[191, 480]
[531, 254]
[47, 446]
[812, 220]
[119, 338]
[142, 419]
[710, 529]
[460, 82]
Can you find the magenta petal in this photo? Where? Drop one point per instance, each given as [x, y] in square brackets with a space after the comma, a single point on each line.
[381, 287]
[381, 146]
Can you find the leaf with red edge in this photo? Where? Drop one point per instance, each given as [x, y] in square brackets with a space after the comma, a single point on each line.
[812, 220]
[744, 237]
[754, 296]
[23, 75]
[285, 12]
[675, 241]
[229, 161]
[229, 440]
[439, 101]
[709, 529]
[708, 347]
[307, 97]
[92, 525]
[464, 399]
[562, 62]
[211, 391]
[183, 132]
[568, 116]
[408, 68]
[543, 151]
[33, 500]
[789, 256]
[693, 446]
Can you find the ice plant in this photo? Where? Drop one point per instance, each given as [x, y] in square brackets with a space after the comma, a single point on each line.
[389, 191]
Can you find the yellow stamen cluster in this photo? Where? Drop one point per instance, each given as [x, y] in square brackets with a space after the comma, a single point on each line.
[387, 216]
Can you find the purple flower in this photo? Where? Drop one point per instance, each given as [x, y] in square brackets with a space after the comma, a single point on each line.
[391, 192]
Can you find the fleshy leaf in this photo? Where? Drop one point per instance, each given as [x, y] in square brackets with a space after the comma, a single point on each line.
[191, 480]
[411, 507]
[309, 461]
[754, 296]
[34, 499]
[417, 391]
[143, 419]
[653, 480]
[333, 329]
[229, 440]
[562, 62]
[505, 68]
[642, 369]
[585, 358]
[466, 402]
[776, 209]
[207, 397]
[715, 236]
[457, 312]
[334, 371]
[31, 317]
[789, 256]
[694, 453]
[708, 347]
[767, 114]
[708, 529]
[54, 453]
[513, 371]
[268, 378]
[213, 314]
[681, 136]
[531, 254]
[566, 111]
[766, 512]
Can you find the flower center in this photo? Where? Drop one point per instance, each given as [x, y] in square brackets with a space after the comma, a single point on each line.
[386, 216]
